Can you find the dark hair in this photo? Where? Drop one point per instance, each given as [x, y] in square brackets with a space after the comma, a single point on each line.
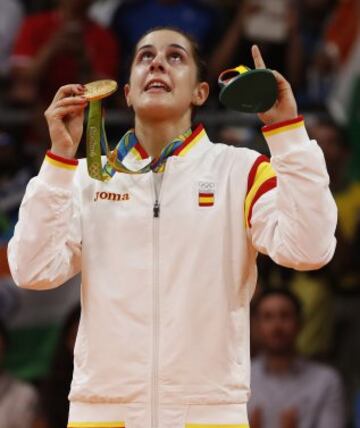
[195, 50]
[282, 292]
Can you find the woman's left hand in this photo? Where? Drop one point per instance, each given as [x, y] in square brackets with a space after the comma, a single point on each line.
[285, 107]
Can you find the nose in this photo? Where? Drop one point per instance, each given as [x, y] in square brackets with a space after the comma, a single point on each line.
[157, 64]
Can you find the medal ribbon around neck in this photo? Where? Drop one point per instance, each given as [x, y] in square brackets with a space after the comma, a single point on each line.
[96, 140]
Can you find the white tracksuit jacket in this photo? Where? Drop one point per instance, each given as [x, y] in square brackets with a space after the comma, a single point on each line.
[163, 340]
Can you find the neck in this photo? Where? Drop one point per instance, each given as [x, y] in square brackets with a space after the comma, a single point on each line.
[276, 363]
[155, 136]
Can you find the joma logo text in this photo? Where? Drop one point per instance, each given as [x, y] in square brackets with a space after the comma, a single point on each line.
[111, 196]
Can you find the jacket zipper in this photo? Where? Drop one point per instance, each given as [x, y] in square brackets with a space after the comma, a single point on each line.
[156, 209]
[155, 360]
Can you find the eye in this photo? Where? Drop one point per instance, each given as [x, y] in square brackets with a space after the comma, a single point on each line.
[176, 56]
[145, 55]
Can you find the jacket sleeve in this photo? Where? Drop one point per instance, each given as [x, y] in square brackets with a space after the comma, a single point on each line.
[289, 210]
[46, 247]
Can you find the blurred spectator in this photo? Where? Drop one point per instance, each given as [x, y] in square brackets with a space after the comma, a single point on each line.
[238, 136]
[345, 274]
[342, 30]
[54, 392]
[58, 47]
[328, 60]
[11, 15]
[334, 143]
[341, 55]
[313, 289]
[353, 124]
[347, 344]
[335, 55]
[133, 18]
[268, 23]
[343, 101]
[14, 175]
[18, 400]
[307, 74]
[289, 391]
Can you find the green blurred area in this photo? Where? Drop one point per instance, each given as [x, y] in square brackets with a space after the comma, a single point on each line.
[31, 351]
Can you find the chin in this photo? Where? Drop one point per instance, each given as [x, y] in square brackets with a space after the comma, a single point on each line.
[156, 110]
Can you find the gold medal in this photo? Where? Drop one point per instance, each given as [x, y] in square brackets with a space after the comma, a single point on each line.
[100, 89]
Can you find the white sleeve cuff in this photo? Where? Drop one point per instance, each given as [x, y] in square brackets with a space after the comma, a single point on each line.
[57, 171]
[287, 136]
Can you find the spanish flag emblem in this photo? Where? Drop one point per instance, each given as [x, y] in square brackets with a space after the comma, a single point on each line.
[206, 194]
[206, 199]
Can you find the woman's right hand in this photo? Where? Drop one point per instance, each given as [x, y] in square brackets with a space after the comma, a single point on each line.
[65, 118]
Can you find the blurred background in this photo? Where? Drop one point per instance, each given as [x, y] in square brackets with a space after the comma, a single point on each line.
[316, 45]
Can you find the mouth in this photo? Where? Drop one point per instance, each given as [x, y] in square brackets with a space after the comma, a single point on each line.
[156, 85]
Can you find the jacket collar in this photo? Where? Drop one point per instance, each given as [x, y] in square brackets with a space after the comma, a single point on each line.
[137, 157]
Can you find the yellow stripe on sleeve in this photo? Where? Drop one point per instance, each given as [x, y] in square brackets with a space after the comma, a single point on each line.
[284, 128]
[59, 164]
[263, 173]
[116, 424]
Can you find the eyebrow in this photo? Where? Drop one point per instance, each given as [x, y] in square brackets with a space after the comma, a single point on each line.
[172, 45]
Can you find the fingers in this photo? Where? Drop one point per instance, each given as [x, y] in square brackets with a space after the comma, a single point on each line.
[283, 85]
[62, 111]
[69, 99]
[280, 78]
[66, 107]
[78, 100]
[68, 91]
[256, 54]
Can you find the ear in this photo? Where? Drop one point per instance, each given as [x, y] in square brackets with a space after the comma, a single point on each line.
[200, 94]
[127, 94]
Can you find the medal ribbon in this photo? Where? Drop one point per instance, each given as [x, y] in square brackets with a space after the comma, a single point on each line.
[96, 138]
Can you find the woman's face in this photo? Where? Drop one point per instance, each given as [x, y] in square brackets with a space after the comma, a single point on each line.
[163, 79]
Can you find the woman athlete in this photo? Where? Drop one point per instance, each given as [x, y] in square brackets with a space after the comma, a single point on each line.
[168, 257]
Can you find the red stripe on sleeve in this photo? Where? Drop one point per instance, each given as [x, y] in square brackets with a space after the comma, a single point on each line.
[252, 173]
[277, 125]
[61, 159]
[265, 187]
